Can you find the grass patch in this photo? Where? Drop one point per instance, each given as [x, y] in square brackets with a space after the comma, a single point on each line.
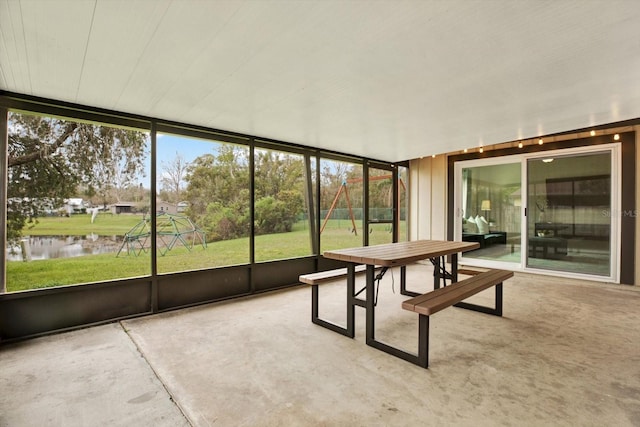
[67, 271]
[104, 267]
[105, 224]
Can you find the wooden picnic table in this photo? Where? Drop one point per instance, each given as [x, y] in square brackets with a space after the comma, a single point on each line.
[393, 255]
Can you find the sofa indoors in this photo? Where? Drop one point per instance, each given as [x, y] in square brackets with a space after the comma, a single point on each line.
[476, 229]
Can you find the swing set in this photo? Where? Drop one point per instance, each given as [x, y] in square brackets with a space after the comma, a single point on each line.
[344, 189]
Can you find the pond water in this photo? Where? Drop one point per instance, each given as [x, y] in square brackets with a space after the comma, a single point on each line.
[48, 247]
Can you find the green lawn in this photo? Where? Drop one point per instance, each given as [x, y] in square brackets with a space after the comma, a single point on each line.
[95, 268]
[105, 224]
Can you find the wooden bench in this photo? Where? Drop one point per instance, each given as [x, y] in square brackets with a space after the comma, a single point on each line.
[328, 275]
[321, 277]
[432, 302]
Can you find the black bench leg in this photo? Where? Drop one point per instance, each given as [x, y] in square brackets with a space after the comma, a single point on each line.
[349, 331]
[497, 311]
[324, 323]
[423, 341]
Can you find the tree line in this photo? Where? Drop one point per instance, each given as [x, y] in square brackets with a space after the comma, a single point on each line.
[52, 159]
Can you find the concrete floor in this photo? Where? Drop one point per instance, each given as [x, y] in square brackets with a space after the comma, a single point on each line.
[566, 352]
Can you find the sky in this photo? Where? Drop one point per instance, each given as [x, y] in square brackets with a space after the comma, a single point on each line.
[170, 145]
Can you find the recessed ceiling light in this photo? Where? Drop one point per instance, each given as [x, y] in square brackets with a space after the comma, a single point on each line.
[520, 145]
[465, 150]
[593, 133]
[481, 150]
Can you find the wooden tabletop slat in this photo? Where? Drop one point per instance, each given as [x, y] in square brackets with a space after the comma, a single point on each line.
[390, 254]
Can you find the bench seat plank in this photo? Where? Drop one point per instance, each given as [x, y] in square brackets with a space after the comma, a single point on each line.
[328, 275]
[432, 302]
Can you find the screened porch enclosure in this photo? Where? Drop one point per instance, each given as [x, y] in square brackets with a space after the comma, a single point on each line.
[168, 216]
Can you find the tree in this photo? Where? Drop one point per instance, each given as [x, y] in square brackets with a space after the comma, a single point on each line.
[49, 159]
[218, 192]
[173, 177]
[219, 197]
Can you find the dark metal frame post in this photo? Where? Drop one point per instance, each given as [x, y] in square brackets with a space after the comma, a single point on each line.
[252, 213]
[4, 158]
[365, 206]
[396, 204]
[311, 205]
[154, 220]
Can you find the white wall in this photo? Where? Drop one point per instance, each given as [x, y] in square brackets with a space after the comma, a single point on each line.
[428, 195]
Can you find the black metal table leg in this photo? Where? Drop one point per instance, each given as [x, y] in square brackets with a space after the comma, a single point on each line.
[436, 272]
[440, 270]
[370, 305]
[351, 292]
[454, 268]
[421, 358]
[403, 283]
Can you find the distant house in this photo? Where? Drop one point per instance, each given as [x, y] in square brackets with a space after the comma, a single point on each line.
[121, 207]
[182, 207]
[166, 207]
[74, 206]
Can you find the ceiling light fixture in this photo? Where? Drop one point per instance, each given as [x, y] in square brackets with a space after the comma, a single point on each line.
[540, 142]
[616, 137]
[593, 133]
[520, 144]
[465, 150]
[481, 150]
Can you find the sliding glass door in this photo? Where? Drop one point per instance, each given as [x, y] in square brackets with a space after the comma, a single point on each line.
[491, 211]
[548, 212]
[569, 203]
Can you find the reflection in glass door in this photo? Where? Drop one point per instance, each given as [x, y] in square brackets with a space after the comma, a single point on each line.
[568, 220]
[491, 211]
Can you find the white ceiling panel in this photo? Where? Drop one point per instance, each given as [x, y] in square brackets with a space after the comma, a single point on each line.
[116, 48]
[390, 80]
[55, 58]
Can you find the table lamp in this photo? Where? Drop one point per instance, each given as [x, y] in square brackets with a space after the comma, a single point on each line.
[486, 207]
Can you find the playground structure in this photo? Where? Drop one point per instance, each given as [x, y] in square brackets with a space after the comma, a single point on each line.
[171, 229]
[344, 188]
